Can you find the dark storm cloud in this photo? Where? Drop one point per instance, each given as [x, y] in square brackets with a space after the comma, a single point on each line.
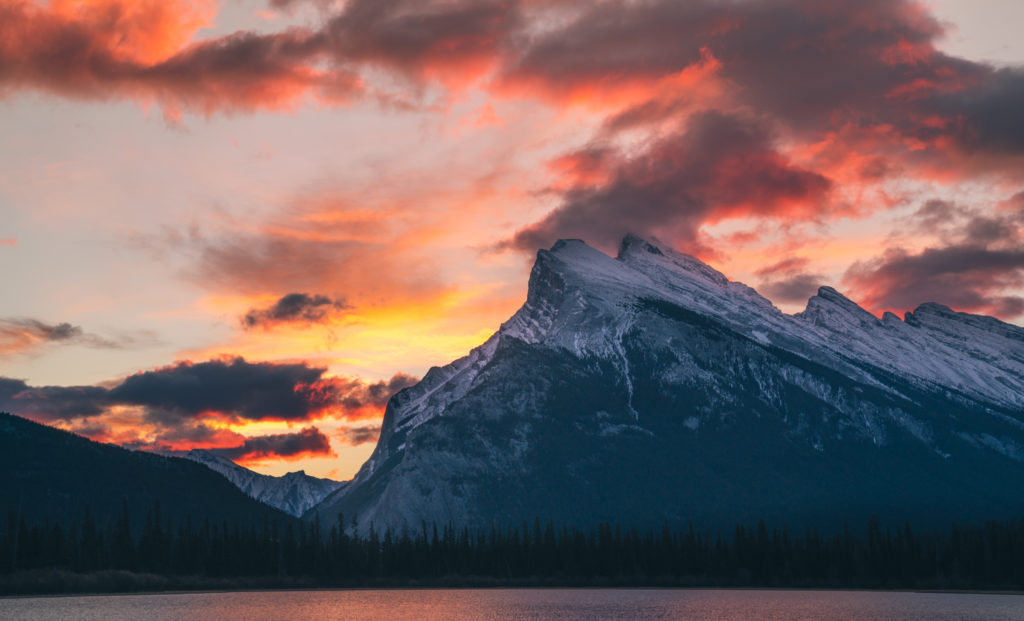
[990, 116]
[180, 399]
[861, 80]
[235, 389]
[308, 442]
[232, 387]
[793, 58]
[810, 65]
[301, 308]
[717, 165]
[52, 403]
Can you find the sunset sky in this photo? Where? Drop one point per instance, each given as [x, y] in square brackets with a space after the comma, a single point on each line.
[245, 224]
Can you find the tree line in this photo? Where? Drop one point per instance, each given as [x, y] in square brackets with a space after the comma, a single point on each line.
[989, 556]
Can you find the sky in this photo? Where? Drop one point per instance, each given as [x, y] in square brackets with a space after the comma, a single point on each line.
[242, 225]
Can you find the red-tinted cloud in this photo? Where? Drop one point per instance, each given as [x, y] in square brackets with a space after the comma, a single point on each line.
[454, 40]
[967, 278]
[717, 166]
[310, 442]
[977, 265]
[189, 405]
[360, 400]
[103, 49]
[756, 109]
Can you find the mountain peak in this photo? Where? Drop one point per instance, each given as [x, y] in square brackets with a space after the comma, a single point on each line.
[943, 318]
[292, 493]
[640, 253]
[833, 309]
[652, 361]
[632, 243]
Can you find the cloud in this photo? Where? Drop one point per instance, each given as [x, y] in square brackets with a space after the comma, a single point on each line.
[792, 287]
[299, 308]
[52, 403]
[19, 335]
[934, 215]
[198, 405]
[309, 442]
[8, 241]
[324, 241]
[964, 277]
[454, 39]
[989, 113]
[378, 393]
[975, 263]
[354, 436]
[789, 281]
[144, 50]
[233, 388]
[306, 443]
[360, 400]
[716, 166]
[853, 93]
[640, 62]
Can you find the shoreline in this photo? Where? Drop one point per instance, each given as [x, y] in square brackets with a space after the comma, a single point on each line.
[496, 587]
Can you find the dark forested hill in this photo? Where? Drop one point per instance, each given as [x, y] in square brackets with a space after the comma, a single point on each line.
[52, 475]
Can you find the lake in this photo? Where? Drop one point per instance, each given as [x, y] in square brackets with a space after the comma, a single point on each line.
[522, 604]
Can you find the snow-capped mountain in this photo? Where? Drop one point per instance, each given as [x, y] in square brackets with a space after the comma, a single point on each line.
[294, 493]
[649, 387]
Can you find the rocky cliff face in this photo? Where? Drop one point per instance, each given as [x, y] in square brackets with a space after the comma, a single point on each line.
[649, 387]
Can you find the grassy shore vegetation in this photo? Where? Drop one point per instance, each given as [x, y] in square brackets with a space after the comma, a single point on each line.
[156, 555]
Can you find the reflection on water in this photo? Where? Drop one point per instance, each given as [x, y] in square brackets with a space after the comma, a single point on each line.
[516, 605]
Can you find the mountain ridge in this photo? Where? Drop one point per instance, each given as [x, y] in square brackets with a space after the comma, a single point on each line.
[294, 493]
[624, 373]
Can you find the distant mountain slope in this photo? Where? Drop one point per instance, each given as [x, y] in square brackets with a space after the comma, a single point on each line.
[649, 387]
[51, 475]
[294, 493]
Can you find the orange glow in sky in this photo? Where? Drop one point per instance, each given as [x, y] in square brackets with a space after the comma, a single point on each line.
[244, 225]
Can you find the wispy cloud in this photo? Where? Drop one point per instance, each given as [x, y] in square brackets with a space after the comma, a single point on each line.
[19, 335]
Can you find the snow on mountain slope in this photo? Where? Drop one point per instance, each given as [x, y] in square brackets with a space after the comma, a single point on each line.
[294, 493]
[980, 356]
[659, 347]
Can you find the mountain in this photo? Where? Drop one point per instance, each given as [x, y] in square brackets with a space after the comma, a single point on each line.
[51, 475]
[294, 493]
[648, 388]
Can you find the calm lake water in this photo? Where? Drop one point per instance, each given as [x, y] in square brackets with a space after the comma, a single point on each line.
[515, 605]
